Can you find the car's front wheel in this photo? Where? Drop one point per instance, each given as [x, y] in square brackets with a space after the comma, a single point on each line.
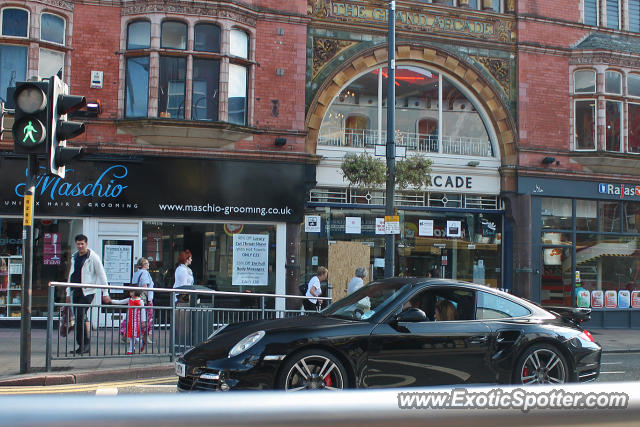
[541, 364]
[313, 370]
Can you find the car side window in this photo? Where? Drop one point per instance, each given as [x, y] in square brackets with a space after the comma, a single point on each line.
[443, 304]
[490, 306]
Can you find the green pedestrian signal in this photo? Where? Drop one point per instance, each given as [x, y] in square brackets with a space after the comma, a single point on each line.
[28, 132]
[31, 117]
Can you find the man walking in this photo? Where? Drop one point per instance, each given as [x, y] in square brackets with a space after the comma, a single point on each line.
[86, 267]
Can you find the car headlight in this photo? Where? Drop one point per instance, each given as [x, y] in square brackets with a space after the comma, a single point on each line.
[217, 331]
[246, 343]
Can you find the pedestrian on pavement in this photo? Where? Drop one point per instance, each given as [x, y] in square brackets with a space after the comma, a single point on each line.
[86, 267]
[142, 278]
[314, 290]
[358, 281]
[135, 323]
[183, 274]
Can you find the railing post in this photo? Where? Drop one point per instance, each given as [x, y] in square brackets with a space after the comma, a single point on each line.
[262, 306]
[172, 335]
[52, 293]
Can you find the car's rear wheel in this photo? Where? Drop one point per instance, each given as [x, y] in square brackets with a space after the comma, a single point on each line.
[541, 364]
[313, 370]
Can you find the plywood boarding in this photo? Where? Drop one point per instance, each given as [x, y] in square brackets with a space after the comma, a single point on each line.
[344, 258]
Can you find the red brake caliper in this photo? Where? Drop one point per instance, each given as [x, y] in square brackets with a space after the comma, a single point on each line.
[327, 381]
[525, 372]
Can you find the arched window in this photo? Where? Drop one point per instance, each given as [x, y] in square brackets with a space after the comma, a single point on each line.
[613, 82]
[15, 22]
[13, 58]
[207, 38]
[139, 35]
[584, 81]
[52, 28]
[174, 35]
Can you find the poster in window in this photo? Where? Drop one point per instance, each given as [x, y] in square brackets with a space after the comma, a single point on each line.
[153, 246]
[250, 260]
[635, 299]
[597, 299]
[312, 223]
[611, 299]
[624, 299]
[425, 227]
[117, 263]
[353, 225]
[379, 225]
[51, 249]
[454, 228]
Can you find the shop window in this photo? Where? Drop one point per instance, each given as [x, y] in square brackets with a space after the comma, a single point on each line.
[633, 84]
[50, 63]
[136, 86]
[586, 215]
[591, 13]
[139, 35]
[613, 14]
[174, 35]
[585, 124]
[631, 217]
[207, 38]
[613, 82]
[171, 87]
[610, 217]
[15, 22]
[491, 306]
[613, 124]
[584, 81]
[634, 15]
[555, 281]
[13, 68]
[52, 28]
[556, 213]
[634, 128]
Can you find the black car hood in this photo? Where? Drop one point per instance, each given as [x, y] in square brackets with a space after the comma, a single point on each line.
[304, 326]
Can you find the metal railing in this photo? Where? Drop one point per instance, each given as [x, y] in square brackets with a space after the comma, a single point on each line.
[171, 329]
[413, 141]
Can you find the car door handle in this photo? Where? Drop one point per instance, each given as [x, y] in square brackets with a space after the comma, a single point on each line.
[480, 339]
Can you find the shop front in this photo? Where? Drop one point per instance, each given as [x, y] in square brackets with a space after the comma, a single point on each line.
[586, 247]
[231, 214]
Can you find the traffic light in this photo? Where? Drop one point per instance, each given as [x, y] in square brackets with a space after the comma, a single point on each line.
[32, 117]
[62, 129]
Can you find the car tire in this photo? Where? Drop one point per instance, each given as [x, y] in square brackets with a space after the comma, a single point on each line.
[312, 370]
[541, 364]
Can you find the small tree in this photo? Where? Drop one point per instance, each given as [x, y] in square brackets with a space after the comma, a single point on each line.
[364, 170]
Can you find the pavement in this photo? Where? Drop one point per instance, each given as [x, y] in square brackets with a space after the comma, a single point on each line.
[82, 370]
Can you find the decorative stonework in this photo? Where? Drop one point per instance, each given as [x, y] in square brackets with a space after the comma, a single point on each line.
[193, 9]
[326, 49]
[319, 8]
[505, 32]
[605, 59]
[499, 69]
[435, 59]
[61, 4]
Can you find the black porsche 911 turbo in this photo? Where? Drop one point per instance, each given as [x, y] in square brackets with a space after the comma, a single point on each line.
[399, 332]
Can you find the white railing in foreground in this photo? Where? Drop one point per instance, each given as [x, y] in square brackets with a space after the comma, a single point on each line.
[373, 408]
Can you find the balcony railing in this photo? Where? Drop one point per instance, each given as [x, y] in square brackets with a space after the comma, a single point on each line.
[422, 143]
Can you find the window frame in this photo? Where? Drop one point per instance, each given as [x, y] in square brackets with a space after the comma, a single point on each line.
[636, 75]
[133, 22]
[621, 148]
[595, 124]
[28, 22]
[55, 51]
[584, 13]
[627, 147]
[620, 12]
[64, 29]
[220, 32]
[605, 82]
[175, 21]
[595, 81]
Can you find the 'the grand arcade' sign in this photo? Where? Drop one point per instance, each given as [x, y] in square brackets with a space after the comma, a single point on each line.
[417, 19]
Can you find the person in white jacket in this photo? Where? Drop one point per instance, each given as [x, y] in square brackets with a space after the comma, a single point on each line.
[86, 267]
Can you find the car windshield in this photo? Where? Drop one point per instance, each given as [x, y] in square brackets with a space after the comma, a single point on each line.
[366, 301]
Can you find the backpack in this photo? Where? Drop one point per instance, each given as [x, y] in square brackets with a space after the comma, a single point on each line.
[303, 289]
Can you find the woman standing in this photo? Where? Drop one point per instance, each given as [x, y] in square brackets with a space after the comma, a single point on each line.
[183, 275]
[314, 290]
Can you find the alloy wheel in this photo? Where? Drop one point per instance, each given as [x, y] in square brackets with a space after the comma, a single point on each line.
[543, 366]
[314, 373]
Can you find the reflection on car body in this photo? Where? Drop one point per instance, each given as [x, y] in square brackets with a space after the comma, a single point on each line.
[373, 338]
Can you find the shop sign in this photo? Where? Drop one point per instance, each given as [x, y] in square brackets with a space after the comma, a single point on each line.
[610, 299]
[425, 227]
[454, 228]
[117, 263]
[157, 187]
[597, 299]
[392, 224]
[250, 260]
[380, 226]
[51, 249]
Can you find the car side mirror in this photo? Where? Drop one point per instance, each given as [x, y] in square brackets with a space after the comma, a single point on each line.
[411, 314]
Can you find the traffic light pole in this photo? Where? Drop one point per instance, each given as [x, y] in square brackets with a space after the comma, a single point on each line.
[27, 264]
[389, 240]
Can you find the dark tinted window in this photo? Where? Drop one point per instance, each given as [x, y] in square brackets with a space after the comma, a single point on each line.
[491, 306]
[207, 38]
[14, 22]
